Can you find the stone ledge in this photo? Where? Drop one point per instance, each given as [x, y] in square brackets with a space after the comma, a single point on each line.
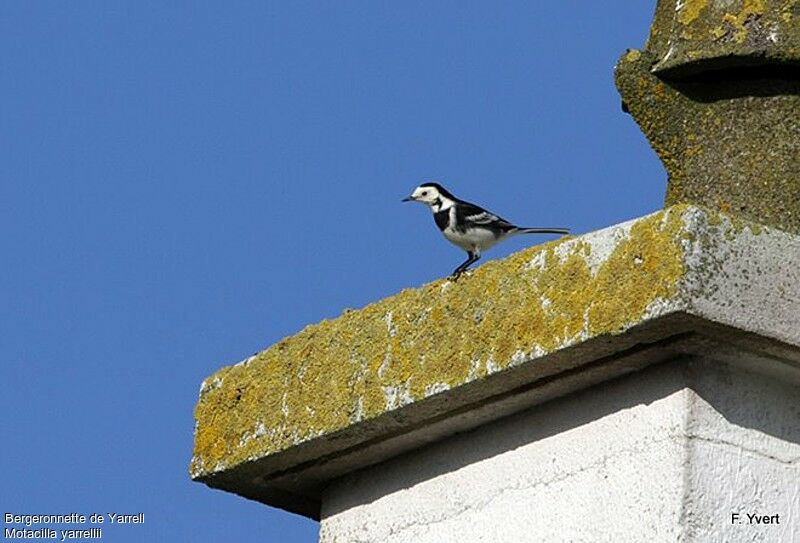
[428, 362]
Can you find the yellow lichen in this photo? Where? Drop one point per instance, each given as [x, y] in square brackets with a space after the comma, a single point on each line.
[441, 335]
[691, 10]
[633, 55]
[787, 9]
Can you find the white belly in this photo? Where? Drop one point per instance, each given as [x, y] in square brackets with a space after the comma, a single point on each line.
[476, 240]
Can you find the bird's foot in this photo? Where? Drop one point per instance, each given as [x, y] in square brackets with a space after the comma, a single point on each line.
[457, 274]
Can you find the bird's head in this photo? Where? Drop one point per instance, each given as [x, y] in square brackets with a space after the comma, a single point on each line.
[433, 195]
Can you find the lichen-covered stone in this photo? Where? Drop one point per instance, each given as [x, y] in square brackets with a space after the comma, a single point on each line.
[717, 93]
[435, 338]
[698, 35]
[727, 143]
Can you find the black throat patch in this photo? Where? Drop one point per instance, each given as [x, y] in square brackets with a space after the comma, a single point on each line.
[442, 218]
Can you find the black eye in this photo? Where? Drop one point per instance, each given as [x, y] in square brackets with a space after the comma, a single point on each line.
[424, 192]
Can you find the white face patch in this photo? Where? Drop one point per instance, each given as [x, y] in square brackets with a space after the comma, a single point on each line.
[431, 197]
[426, 195]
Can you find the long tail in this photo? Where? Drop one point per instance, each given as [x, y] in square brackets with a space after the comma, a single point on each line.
[563, 231]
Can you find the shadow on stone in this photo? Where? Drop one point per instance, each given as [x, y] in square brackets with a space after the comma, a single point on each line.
[561, 415]
[724, 397]
[742, 82]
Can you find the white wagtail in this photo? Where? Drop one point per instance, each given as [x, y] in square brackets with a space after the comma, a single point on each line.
[469, 226]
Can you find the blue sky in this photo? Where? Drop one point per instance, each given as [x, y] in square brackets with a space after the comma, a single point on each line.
[184, 183]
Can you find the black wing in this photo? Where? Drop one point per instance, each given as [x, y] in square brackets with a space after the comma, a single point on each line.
[470, 215]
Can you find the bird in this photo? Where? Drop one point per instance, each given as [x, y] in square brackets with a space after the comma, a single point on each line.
[467, 225]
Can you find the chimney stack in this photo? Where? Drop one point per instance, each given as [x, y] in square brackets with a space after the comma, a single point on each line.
[716, 90]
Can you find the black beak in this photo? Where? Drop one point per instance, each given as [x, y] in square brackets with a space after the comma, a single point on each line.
[409, 199]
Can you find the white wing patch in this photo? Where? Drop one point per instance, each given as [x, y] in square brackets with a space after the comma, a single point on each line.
[483, 218]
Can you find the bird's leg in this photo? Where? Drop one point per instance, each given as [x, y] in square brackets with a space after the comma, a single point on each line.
[473, 257]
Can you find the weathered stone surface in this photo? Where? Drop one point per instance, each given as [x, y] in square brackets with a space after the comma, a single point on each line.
[680, 451]
[729, 144]
[430, 361]
[717, 93]
[691, 36]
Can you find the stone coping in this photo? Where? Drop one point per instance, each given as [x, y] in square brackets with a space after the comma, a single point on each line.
[425, 363]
